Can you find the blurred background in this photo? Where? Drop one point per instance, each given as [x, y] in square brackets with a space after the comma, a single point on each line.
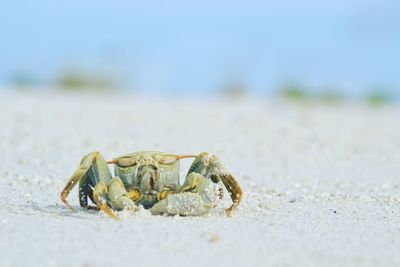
[296, 49]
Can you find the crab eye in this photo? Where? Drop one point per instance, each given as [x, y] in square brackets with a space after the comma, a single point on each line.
[167, 159]
[126, 162]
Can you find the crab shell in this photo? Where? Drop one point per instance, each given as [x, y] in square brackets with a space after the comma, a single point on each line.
[149, 171]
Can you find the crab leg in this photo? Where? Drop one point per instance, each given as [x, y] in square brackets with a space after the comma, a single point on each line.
[92, 169]
[234, 190]
[99, 192]
[119, 198]
[211, 167]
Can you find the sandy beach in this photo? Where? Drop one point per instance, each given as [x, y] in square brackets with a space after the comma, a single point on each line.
[321, 182]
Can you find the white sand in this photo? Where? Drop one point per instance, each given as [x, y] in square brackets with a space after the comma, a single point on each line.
[322, 184]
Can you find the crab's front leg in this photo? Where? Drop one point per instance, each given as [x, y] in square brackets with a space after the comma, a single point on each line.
[116, 195]
[92, 170]
[99, 194]
[211, 167]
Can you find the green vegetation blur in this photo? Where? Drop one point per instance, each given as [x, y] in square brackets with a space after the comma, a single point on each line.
[293, 92]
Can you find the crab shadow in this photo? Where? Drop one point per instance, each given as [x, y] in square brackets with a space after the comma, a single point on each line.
[61, 210]
[32, 208]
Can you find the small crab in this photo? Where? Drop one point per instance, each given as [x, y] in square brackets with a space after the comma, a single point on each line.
[151, 179]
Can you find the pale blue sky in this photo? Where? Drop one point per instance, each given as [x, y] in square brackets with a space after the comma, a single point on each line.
[177, 45]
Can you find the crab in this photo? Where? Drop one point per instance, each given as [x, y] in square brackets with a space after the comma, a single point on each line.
[151, 179]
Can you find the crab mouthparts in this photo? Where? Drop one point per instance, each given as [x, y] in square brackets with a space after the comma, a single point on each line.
[148, 175]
